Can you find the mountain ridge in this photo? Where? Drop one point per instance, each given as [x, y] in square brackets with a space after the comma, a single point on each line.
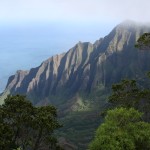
[81, 68]
[78, 82]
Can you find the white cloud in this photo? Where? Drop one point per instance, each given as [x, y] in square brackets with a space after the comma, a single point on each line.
[85, 10]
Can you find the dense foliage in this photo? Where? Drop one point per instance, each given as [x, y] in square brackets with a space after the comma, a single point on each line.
[129, 94]
[27, 127]
[143, 42]
[122, 130]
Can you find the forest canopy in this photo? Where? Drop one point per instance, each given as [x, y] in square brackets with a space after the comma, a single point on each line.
[25, 126]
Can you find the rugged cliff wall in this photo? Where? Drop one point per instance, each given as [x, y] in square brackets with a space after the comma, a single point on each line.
[85, 66]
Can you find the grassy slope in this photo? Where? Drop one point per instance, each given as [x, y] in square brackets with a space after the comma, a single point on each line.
[80, 125]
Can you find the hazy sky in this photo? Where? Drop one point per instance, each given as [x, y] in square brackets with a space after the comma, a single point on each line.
[74, 10]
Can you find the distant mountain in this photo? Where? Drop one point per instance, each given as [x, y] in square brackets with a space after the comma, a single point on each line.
[78, 80]
[85, 66]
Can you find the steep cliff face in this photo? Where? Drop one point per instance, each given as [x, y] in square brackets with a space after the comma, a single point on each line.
[85, 66]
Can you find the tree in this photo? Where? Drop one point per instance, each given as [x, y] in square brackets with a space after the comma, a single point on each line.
[122, 130]
[143, 42]
[128, 94]
[5, 133]
[44, 125]
[25, 126]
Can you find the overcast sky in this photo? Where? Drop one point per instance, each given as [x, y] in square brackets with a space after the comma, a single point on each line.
[74, 10]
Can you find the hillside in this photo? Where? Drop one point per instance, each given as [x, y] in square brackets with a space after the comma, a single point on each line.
[78, 82]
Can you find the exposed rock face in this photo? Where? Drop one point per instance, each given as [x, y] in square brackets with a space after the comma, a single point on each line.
[85, 66]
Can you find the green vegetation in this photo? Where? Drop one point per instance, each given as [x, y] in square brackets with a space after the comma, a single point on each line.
[27, 127]
[129, 94]
[80, 124]
[143, 42]
[79, 127]
[122, 130]
[126, 93]
[124, 127]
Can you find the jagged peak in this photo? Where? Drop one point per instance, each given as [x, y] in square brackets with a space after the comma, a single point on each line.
[82, 43]
[54, 57]
[98, 42]
[79, 46]
[79, 42]
[21, 71]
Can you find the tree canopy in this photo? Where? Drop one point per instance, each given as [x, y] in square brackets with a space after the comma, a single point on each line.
[128, 94]
[122, 130]
[27, 127]
[143, 42]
